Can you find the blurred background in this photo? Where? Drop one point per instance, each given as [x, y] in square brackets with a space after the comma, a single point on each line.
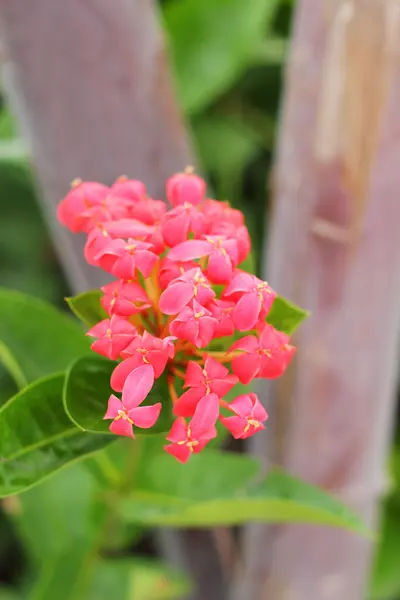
[228, 59]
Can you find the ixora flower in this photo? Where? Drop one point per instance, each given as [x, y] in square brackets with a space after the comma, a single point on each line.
[178, 308]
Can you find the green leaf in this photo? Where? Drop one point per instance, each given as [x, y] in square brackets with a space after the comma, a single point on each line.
[218, 488]
[286, 316]
[12, 366]
[87, 389]
[37, 438]
[385, 583]
[213, 42]
[41, 339]
[152, 580]
[55, 506]
[87, 307]
[226, 145]
[73, 576]
[9, 593]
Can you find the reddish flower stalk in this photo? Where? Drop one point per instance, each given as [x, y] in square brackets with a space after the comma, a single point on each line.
[166, 307]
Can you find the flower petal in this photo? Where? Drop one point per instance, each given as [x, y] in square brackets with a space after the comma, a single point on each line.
[242, 405]
[235, 425]
[246, 312]
[122, 370]
[246, 367]
[137, 386]
[175, 297]
[145, 416]
[114, 405]
[205, 417]
[122, 427]
[178, 432]
[189, 250]
[186, 405]
[181, 452]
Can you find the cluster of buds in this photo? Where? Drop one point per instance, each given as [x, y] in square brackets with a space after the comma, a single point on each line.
[178, 287]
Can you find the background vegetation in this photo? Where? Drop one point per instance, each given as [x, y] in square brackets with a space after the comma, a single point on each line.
[228, 73]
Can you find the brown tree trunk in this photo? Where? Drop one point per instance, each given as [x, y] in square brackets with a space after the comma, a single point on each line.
[334, 248]
[90, 84]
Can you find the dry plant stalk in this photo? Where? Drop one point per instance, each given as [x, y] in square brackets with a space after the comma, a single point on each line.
[334, 249]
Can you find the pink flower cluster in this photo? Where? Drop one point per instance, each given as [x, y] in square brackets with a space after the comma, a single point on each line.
[178, 287]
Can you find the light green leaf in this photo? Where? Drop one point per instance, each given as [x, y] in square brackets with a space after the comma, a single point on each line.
[87, 389]
[37, 438]
[72, 575]
[217, 488]
[41, 339]
[213, 42]
[226, 145]
[286, 316]
[56, 512]
[87, 307]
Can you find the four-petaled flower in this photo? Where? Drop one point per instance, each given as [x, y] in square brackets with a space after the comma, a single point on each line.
[249, 416]
[123, 258]
[191, 438]
[124, 298]
[127, 412]
[222, 253]
[194, 323]
[143, 350]
[253, 298]
[188, 286]
[265, 356]
[113, 336]
[213, 378]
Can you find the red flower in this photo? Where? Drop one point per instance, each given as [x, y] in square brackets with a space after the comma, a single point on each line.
[123, 258]
[143, 350]
[266, 356]
[222, 311]
[214, 378]
[185, 188]
[114, 335]
[171, 270]
[222, 255]
[129, 188]
[127, 412]
[72, 210]
[253, 299]
[195, 324]
[191, 285]
[249, 418]
[180, 221]
[189, 439]
[124, 298]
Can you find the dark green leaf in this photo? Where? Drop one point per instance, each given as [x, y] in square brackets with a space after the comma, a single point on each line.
[217, 488]
[86, 393]
[286, 316]
[87, 307]
[12, 366]
[37, 438]
[41, 339]
[226, 145]
[213, 41]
